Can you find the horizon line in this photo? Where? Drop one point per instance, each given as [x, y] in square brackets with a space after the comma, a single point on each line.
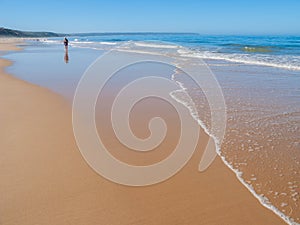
[153, 32]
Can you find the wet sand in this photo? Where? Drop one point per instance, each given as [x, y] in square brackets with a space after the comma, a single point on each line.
[44, 179]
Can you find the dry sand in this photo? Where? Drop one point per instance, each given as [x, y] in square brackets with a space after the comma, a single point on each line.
[44, 179]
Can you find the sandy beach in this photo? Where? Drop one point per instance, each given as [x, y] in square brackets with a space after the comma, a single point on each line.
[44, 179]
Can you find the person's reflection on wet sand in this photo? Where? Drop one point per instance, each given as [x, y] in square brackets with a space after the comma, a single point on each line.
[66, 56]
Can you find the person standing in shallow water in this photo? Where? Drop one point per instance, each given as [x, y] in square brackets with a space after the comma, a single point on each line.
[66, 43]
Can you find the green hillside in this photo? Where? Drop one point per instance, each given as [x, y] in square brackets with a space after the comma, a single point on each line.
[4, 32]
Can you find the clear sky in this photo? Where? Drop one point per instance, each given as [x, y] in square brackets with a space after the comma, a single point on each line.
[201, 16]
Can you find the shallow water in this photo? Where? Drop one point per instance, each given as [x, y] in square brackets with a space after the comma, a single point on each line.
[46, 66]
[262, 135]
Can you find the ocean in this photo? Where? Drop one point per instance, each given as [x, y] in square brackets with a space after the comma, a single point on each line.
[260, 80]
[275, 51]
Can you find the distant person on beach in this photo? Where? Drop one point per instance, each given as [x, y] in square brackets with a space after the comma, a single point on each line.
[66, 43]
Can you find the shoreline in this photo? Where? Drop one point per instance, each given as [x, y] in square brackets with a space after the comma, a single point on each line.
[61, 150]
[262, 199]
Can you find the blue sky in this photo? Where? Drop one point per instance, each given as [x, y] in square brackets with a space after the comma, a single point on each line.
[201, 16]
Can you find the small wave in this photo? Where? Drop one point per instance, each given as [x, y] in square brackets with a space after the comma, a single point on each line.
[107, 43]
[283, 62]
[77, 41]
[82, 42]
[151, 45]
[47, 41]
[91, 43]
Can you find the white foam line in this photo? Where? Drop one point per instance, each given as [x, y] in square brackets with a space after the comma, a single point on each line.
[138, 51]
[89, 47]
[83, 42]
[244, 61]
[50, 41]
[107, 43]
[155, 45]
[263, 200]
